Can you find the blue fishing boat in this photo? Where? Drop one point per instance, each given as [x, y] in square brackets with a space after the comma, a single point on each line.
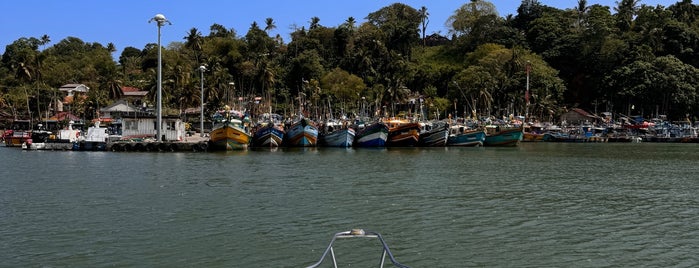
[372, 135]
[434, 135]
[501, 135]
[465, 137]
[302, 133]
[336, 134]
[269, 134]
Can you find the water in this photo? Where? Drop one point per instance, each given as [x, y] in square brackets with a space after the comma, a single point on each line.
[537, 205]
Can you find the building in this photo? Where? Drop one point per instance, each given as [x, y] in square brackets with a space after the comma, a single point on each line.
[577, 116]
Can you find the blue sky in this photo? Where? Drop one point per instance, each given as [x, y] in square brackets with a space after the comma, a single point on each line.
[125, 22]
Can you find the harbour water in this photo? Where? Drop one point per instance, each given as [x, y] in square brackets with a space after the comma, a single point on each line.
[536, 205]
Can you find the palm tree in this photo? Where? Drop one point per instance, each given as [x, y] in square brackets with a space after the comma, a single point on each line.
[314, 23]
[194, 42]
[350, 22]
[424, 18]
[269, 25]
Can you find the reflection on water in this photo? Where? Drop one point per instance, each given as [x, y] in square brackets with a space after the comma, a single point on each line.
[537, 205]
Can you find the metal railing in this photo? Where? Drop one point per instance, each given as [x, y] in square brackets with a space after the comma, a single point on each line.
[358, 233]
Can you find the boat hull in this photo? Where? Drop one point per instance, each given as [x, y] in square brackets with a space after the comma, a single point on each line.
[301, 133]
[268, 136]
[339, 138]
[17, 138]
[403, 135]
[229, 137]
[435, 138]
[468, 139]
[374, 135]
[504, 137]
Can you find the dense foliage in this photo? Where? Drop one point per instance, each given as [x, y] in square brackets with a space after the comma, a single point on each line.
[631, 58]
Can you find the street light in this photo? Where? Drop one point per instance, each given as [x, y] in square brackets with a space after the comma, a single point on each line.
[160, 20]
[202, 69]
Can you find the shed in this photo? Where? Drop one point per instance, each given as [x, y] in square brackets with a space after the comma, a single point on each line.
[577, 116]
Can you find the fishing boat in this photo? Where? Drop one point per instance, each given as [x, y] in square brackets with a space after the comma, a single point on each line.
[434, 134]
[19, 133]
[229, 133]
[502, 135]
[329, 254]
[336, 134]
[371, 135]
[302, 133]
[95, 139]
[46, 140]
[464, 136]
[402, 133]
[268, 134]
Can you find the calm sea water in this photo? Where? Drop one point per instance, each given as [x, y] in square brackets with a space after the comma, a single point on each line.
[537, 205]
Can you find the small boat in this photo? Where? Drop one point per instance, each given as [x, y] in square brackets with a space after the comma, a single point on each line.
[329, 252]
[465, 137]
[372, 135]
[228, 134]
[434, 135]
[18, 134]
[95, 139]
[268, 134]
[47, 140]
[502, 135]
[402, 133]
[302, 133]
[336, 134]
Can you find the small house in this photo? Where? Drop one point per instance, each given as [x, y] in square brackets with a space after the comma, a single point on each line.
[577, 116]
[173, 128]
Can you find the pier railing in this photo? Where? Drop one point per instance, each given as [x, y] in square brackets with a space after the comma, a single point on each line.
[358, 233]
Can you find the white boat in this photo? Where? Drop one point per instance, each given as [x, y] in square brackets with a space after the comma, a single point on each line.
[46, 140]
[95, 139]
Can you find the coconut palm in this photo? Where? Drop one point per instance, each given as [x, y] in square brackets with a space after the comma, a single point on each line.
[269, 25]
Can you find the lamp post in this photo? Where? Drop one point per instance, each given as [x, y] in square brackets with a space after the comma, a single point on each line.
[202, 69]
[160, 20]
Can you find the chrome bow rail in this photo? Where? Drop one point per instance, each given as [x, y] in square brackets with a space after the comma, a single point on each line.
[358, 233]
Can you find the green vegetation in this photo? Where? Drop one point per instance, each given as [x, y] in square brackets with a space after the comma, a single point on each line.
[638, 59]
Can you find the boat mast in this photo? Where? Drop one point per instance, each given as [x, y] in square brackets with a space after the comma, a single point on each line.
[526, 94]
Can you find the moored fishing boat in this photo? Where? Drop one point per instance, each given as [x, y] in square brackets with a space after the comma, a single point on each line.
[301, 133]
[19, 133]
[465, 137]
[371, 135]
[500, 135]
[268, 134]
[228, 134]
[434, 135]
[402, 133]
[336, 134]
[46, 140]
[95, 139]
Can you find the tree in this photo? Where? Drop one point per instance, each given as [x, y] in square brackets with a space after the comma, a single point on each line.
[424, 19]
[269, 25]
[343, 86]
[472, 18]
[399, 24]
[194, 41]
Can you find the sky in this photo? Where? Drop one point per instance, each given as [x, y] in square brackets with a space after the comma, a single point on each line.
[125, 23]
